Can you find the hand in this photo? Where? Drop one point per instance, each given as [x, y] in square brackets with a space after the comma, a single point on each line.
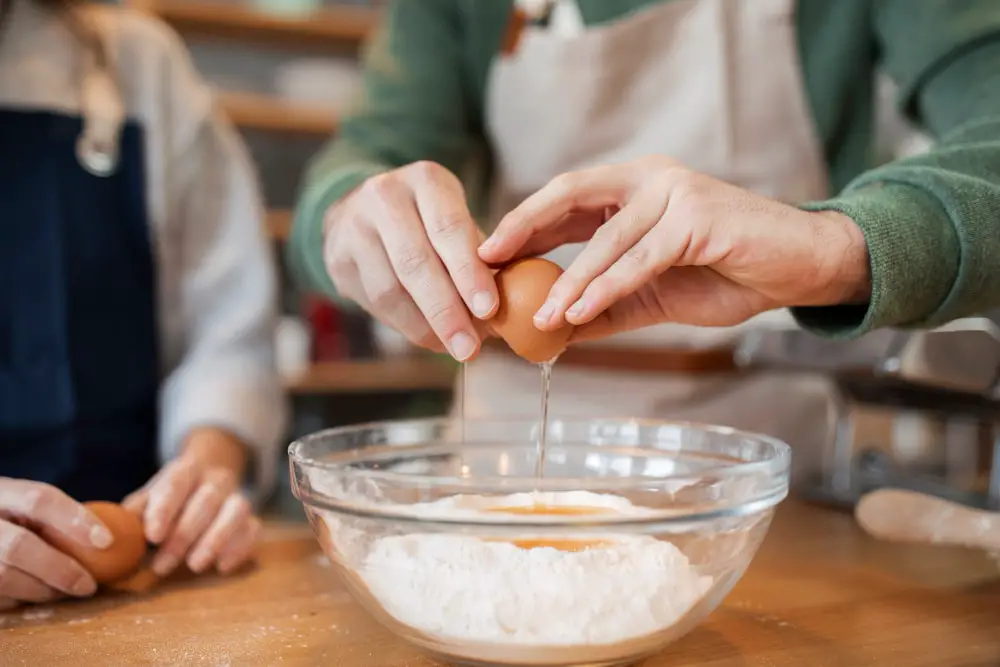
[667, 244]
[194, 510]
[30, 569]
[403, 246]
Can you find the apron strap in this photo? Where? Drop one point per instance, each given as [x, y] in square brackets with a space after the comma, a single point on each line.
[101, 104]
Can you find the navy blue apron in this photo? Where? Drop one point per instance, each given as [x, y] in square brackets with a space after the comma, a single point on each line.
[79, 372]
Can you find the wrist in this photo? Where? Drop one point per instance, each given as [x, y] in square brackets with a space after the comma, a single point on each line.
[844, 267]
[217, 448]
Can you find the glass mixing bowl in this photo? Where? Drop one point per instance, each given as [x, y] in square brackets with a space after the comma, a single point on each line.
[444, 533]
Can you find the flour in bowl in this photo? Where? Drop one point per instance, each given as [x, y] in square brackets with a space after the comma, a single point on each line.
[473, 589]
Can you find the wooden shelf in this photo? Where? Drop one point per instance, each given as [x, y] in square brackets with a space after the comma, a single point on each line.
[279, 224]
[330, 28]
[377, 375]
[271, 114]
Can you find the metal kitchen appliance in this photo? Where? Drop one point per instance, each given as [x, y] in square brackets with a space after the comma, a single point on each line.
[950, 375]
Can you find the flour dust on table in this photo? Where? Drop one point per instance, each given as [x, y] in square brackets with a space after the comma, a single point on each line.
[538, 592]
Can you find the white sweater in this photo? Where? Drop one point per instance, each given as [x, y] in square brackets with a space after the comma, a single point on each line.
[215, 269]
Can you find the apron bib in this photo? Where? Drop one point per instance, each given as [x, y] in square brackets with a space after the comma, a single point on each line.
[79, 371]
[713, 83]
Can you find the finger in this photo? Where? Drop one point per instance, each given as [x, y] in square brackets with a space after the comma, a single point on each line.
[232, 520]
[455, 238]
[575, 227]
[23, 550]
[615, 239]
[136, 502]
[51, 510]
[656, 252]
[588, 190]
[635, 311]
[197, 516]
[389, 301]
[240, 549]
[17, 585]
[6, 604]
[424, 277]
[166, 499]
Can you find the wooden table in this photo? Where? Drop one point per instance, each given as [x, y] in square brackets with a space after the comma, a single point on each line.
[819, 594]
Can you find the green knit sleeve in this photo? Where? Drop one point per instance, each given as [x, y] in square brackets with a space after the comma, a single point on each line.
[414, 106]
[932, 221]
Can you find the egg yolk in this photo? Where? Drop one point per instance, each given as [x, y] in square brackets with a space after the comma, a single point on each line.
[562, 544]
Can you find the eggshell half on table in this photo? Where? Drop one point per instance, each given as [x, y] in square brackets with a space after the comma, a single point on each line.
[524, 286]
[119, 561]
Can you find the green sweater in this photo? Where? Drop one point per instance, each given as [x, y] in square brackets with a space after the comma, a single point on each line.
[931, 222]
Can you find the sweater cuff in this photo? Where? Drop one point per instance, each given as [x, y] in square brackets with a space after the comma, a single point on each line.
[305, 247]
[914, 254]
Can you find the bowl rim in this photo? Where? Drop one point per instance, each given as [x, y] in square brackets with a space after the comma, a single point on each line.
[776, 467]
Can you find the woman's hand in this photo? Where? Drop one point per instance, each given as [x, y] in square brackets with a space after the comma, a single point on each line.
[193, 508]
[30, 569]
[403, 246]
[667, 244]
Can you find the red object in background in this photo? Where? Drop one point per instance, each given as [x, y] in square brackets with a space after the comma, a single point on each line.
[329, 341]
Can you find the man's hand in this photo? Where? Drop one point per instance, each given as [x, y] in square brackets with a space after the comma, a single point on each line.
[403, 246]
[194, 510]
[30, 569]
[667, 244]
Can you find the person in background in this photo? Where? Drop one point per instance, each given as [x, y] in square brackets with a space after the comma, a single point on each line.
[136, 301]
[743, 137]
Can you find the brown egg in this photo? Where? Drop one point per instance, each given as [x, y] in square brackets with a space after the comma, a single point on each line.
[524, 286]
[122, 558]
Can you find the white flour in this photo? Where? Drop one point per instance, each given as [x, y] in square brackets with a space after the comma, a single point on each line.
[467, 588]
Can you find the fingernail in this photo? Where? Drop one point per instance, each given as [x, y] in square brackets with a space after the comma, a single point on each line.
[198, 561]
[85, 587]
[544, 313]
[576, 309]
[462, 346]
[487, 245]
[164, 564]
[482, 304]
[100, 537]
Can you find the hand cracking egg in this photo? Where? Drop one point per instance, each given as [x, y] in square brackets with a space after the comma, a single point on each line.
[524, 286]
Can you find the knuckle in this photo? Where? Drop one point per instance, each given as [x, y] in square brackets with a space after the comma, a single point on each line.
[446, 314]
[241, 506]
[614, 236]
[36, 498]
[636, 256]
[463, 265]
[412, 261]
[448, 224]
[12, 543]
[387, 297]
[341, 271]
[425, 171]
[221, 480]
[382, 186]
[564, 185]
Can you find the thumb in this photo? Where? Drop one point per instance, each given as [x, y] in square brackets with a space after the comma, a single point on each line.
[632, 312]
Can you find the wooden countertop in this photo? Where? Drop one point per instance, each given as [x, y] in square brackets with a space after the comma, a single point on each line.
[819, 594]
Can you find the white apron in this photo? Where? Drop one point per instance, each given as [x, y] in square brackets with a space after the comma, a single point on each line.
[713, 83]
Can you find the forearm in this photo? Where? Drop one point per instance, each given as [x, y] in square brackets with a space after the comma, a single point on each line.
[931, 221]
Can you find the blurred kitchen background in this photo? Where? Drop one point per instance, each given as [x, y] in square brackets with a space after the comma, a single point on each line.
[284, 69]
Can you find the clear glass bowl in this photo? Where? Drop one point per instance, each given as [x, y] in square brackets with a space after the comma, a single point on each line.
[445, 534]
